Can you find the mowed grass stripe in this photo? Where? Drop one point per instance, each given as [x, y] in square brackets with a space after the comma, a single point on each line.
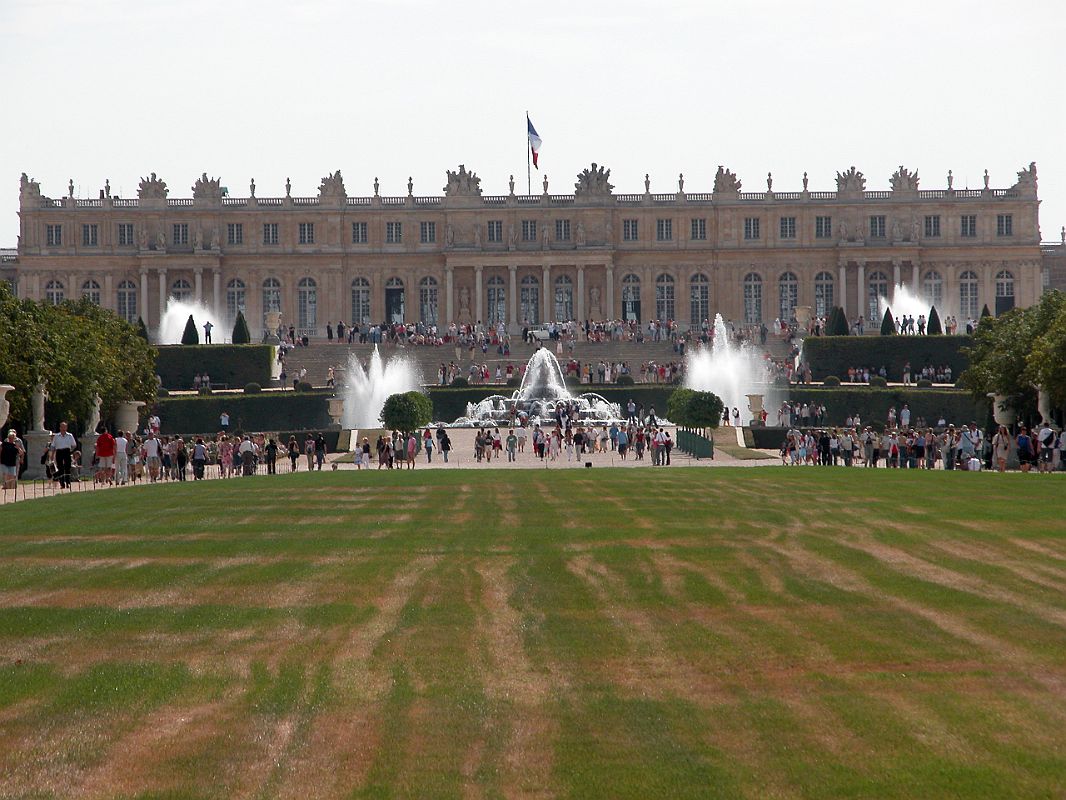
[682, 633]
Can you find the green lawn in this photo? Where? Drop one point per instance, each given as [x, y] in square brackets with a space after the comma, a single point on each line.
[674, 633]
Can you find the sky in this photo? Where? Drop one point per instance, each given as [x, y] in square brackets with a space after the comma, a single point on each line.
[97, 89]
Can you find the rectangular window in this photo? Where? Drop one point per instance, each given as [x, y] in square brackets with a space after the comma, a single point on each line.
[306, 233]
[664, 230]
[562, 230]
[629, 230]
[235, 233]
[699, 229]
[932, 226]
[969, 226]
[529, 230]
[877, 227]
[54, 235]
[1004, 225]
[270, 233]
[89, 236]
[427, 232]
[125, 234]
[359, 233]
[823, 227]
[788, 227]
[181, 234]
[751, 228]
[393, 232]
[496, 230]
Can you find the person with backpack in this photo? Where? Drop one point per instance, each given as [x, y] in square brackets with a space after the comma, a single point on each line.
[1045, 439]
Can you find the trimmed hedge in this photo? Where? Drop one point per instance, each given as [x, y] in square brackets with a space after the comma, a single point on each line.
[270, 411]
[872, 405]
[232, 364]
[833, 355]
[450, 403]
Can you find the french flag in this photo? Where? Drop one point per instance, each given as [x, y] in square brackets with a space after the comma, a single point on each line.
[534, 140]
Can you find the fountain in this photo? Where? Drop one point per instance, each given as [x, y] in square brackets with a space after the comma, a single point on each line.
[905, 302]
[366, 390]
[732, 371]
[172, 326]
[542, 391]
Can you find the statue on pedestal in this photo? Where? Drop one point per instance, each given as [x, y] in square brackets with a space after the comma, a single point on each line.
[580, 233]
[40, 394]
[94, 416]
[251, 188]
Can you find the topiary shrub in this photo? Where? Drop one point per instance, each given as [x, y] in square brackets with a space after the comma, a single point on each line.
[190, 334]
[837, 324]
[460, 382]
[831, 380]
[241, 334]
[142, 329]
[252, 388]
[888, 324]
[933, 326]
[924, 383]
[161, 392]
[514, 382]
[878, 382]
[204, 390]
[304, 386]
[624, 380]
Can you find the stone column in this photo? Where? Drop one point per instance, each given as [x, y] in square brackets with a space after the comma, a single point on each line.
[109, 293]
[860, 280]
[547, 296]
[580, 309]
[198, 284]
[449, 311]
[512, 300]
[897, 278]
[479, 303]
[844, 287]
[915, 278]
[142, 308]
[162, 271]
[609, 292]
[216, 285]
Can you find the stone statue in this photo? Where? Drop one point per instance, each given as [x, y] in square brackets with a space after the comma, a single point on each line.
[545, 238]
[1026, 179]
[332, 187]
[107, 187]
[594, 297]
[40, 394]
[161, 240]
[251, 188]
[769, 181]
[216, 240]
[851, 181]
[843, 227]
[207, 188]
[593, 182]
[410, 186]
[510, 184]
[198, 240]
[449, 235]
[376, 186]
[916, 230]
[903, 180]
[464, 301]
[647, 183]
[512, 236]
[71, 187]
[681, 182]
[288, 188]
[143, 238]
[462, 183]
[608, 232]
[477, 235]
[29, 189]
[580, 233]
[5, 404]
[986, 178]
[94, 415]
[1063, 234]
[897, 231]
[152, 188]
[545, 183]
[804, 181]
[951, 179]
[726, 182]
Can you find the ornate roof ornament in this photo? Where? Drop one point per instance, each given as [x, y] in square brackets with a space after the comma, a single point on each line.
[593, 182]
[152, 188]
[332, 187]
[29, 189]
[207, 188]
[903, 180]
[1027, 180]
[462, 183]
[851, 182]
[726, 181]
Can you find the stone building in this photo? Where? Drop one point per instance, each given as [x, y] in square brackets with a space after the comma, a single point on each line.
[589, 254]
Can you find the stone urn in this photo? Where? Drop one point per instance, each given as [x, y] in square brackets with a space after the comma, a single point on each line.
[336, 410]
[803, 318]
[273, 322]
[5, 405]
[1000, 412]
[127, 415]
[755, 407]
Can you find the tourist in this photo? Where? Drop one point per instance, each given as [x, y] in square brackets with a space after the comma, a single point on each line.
[181, 458]
[1001, 444]
[199, 459]
[271, 457]
[12, 455]
[622, 441]
[122, 459]
[512, 445]
[152, 450]
[246, 452]
[1026, 453]
[364, 454]
[1045, 441]
[445, 443]
[105, 458]
[62, 449]
[320, 450]
[207, 328]
[309, 452]
[412, 449]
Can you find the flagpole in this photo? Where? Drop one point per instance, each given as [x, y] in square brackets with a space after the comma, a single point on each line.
[529, 174]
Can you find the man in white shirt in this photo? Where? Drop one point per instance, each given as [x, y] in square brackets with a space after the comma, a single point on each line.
[223, 421]
[153, 452]
[63, 446]
[121, 459]
[1045, 438]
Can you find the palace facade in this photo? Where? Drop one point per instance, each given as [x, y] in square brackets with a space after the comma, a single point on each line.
[591, 254]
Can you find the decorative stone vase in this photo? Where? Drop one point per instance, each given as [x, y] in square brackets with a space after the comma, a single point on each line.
[273, 322]
[5, 405]
[127, 415]
[803, 318]
[755, 407]
[336, 410]
[1000, 412]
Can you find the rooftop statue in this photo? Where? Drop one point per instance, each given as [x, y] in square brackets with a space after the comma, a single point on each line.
[462, 183]
[1027, 178]
[726, 182]
[593, 182]
[332, 186]
[851, 181]
[903, 180]
[207, 188]
[29, 189]
[152, 187]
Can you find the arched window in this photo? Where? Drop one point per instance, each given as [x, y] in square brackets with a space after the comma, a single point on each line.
[91, 290]
[497, 296]
[307, 307]
[181, 290]
[427, 300]
[1004, 283]
[271, 297]
[823, 294]
[876, 288]
[54, 292]
[235, 291]
[631, 298]
[127, 301]
[968, 307]
[788, 295]
[664, 297]
[933, 290]
[395, 300]
[529, 300]
[564, 299]
[699, 295]
[360, 301]
[752, 298]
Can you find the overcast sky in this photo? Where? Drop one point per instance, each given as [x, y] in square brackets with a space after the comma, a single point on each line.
[96, 89]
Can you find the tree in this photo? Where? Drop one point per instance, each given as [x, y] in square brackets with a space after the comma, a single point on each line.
[190, 335]
[888, 324]
[1047, 360]
[142, 329]
[691, 409]
[933, 327]
[407, 411]
[837, 324]
[985, 312]
[241, 334]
